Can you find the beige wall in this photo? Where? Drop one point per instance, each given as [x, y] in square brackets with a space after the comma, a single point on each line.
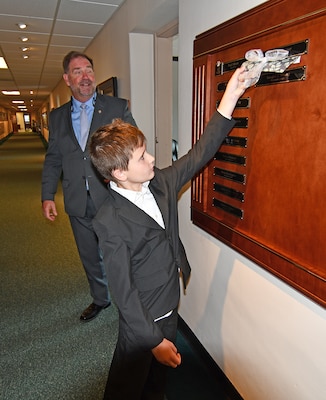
[5, 126]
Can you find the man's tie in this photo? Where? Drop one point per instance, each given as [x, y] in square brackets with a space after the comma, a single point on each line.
[84, 128]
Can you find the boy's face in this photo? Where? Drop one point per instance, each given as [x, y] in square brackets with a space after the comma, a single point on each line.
[140, 169]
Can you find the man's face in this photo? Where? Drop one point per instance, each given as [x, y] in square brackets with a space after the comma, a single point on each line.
[81, 79]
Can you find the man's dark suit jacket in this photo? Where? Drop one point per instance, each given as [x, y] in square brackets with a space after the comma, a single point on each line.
[65, 158]
[141, 258]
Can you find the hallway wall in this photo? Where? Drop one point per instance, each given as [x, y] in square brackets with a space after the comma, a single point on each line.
[6, 125]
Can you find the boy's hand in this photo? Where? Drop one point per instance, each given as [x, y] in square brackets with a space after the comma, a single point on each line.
[235, 88]
[166, 353]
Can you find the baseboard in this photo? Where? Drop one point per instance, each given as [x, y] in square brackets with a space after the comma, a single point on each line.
[200, 351]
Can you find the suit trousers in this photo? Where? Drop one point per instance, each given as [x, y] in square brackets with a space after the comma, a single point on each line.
[134, 373]
[89, 252]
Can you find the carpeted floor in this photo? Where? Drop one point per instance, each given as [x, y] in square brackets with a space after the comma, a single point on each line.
[46, 353]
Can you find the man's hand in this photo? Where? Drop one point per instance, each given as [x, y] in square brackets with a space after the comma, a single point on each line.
[166, 353]
[49, 210]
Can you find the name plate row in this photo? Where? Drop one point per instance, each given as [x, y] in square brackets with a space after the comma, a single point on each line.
[294, 49]
[272, 78]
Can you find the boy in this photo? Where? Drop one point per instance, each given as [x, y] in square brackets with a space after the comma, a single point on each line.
[138, 233]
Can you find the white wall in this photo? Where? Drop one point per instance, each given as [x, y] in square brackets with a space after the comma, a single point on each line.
[142, 84]
[124, 48]
[268, 338]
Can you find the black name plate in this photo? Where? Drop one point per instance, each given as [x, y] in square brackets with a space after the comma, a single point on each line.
[221, 86]
[291, 75]
[294, 49]
[236, 141]
[241, 122]
[227, 191]
[231, 158]
[241, 103]
[222, 67]
[232, 176]
[228, 208]
[297, 49]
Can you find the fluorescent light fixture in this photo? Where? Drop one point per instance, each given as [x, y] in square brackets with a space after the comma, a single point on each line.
[3, 64]
[18, 101]
[11, 92]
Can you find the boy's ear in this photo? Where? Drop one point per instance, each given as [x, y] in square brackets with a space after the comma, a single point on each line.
[119, 175]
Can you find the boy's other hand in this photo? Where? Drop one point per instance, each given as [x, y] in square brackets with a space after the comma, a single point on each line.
[166, 353]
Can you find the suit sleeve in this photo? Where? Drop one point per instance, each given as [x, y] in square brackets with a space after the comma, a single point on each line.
[204, 149]
[52, 167]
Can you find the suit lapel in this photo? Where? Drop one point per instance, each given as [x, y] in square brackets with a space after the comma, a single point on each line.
[70, 128]
[162, 202]
[163, 206]
[131, 212]
[99, 115]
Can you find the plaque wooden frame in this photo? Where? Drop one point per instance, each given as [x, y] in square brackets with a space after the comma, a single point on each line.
[283, 224]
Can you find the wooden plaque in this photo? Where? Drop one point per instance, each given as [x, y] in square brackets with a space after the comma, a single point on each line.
[280, 222]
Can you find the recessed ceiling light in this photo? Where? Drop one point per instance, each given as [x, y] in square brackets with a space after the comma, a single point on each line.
[11, 92]
[25, 56]
[3, 64]
[24, 38]
[25, 48]
[17, 101]
[21, 25]
[31, 92]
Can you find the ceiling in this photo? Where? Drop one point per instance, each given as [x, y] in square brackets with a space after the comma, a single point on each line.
[54, 27]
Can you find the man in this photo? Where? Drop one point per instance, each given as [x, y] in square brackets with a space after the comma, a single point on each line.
[67, 157]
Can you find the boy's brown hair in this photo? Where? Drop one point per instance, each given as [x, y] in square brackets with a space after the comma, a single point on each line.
[112, 146]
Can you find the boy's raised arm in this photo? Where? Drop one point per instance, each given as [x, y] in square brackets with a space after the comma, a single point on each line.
[235, 89]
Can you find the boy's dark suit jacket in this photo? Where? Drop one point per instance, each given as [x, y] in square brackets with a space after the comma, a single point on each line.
[141, 258]
[64, 155]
